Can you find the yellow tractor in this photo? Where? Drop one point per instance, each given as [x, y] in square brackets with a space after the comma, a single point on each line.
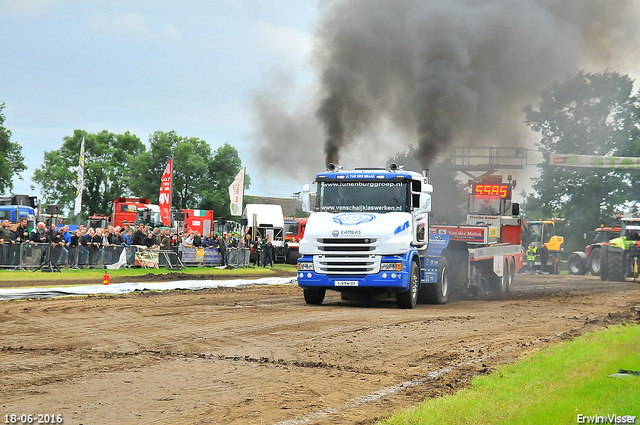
[544, 232]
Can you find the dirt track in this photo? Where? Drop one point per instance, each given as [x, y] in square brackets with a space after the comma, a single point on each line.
[260, 355]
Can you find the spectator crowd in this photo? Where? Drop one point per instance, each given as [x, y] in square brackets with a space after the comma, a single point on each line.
[91, 246]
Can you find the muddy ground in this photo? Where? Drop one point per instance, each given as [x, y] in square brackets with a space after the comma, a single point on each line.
[262, 356]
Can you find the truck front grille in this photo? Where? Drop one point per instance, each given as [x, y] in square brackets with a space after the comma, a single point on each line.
[347, 256]
[347, 245]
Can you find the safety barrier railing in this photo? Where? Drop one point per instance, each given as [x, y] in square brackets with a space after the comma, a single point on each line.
[10, 255]
[239, 257]
[29, 256]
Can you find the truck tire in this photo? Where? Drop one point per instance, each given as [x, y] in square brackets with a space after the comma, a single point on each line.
[578, 263]
[292, 256]
[314, 296]
[595, 262]
[409, 299]
[438, 293]
[616, 267]
[604, 262]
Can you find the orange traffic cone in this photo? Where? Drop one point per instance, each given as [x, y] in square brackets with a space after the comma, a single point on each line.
[105, 278]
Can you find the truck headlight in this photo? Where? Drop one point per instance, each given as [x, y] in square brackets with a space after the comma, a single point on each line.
[305, 266]
[391, 266]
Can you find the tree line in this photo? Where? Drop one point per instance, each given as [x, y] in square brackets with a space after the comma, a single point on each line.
[121, 165]
[587, 113]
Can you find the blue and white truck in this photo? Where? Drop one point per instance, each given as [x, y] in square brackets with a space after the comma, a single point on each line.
[369, 233]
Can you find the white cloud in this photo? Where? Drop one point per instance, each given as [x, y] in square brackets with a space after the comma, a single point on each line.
[172, 33]
[285, 42]
[128, 25]
[132, 25]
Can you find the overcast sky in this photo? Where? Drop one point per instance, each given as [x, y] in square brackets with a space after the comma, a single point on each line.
[145, 66]
[248, 72]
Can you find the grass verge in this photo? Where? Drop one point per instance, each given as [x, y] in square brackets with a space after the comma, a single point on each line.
[552, 386]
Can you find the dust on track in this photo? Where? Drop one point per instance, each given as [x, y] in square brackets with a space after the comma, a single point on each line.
[261, 355]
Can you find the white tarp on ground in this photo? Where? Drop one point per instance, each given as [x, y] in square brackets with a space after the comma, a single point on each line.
[123, 288]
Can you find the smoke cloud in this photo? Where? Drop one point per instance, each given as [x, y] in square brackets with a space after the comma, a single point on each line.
[443, 72]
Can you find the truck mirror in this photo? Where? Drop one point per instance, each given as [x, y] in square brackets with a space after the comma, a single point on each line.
[515, 209]
[425, 203]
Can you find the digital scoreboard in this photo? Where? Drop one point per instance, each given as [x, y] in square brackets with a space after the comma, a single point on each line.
[494, 190]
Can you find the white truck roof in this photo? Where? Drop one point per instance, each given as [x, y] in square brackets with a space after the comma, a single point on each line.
[265, 214]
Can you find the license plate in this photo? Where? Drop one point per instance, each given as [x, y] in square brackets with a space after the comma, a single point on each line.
[346, 283]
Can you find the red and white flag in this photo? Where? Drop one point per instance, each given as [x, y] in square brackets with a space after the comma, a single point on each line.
[165, 194]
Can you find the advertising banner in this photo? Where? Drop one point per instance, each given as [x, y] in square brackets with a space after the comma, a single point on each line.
[236, 192]
[165, 194]
[78, 206]
[594, 161]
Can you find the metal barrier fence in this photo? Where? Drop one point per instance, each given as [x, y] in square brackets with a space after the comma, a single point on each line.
[37, 255]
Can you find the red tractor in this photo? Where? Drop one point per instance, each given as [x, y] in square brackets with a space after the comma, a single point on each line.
[590, 260]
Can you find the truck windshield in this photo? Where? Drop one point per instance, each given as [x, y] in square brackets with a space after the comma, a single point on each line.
[362, 196]
[149, 217]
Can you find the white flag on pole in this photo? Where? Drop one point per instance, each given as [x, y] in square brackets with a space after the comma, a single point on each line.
[78, 207]
[236, 193]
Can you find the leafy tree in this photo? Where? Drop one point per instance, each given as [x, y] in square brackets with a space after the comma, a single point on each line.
[589, 114]
[199, 175]
[298, 213]
[191, 156]
[106, 169]
[225, 166]
[11, 158]
[449, 198]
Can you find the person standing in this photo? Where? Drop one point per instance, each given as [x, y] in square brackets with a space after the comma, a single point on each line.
[257, 251]
[14, 249]
[544, 256]
[222, 249]
[39, 234]
[268, 252]
[23, 230]
[5, 241]
[138, 236]
[531, 253]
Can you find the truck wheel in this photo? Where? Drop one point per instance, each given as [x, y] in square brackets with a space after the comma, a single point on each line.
[615, 268]
[314, 296]
[577, 264]
[409, 299]
[595, 262]
[438, 293]
[292, 256]
[604, 262]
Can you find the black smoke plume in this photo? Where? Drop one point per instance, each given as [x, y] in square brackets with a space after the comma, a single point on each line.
[447, 71]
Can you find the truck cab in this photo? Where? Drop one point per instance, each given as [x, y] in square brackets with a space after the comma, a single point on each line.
[368, 234]
[267, 220]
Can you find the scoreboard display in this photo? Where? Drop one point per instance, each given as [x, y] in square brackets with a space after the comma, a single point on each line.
[494, 190]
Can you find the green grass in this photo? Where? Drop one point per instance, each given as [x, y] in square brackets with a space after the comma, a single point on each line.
[549, 387]
[9, 276]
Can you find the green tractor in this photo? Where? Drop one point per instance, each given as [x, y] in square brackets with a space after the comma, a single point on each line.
[621, 257]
